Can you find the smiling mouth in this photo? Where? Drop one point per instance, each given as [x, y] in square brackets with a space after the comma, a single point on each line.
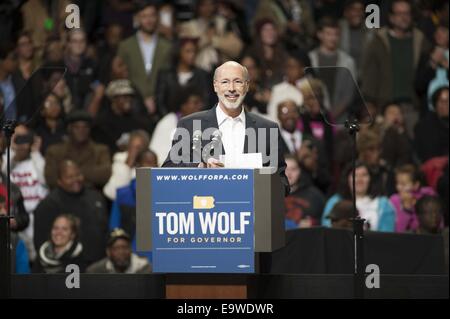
[232, 97]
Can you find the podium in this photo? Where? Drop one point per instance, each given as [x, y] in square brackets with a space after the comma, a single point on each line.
[169, 202]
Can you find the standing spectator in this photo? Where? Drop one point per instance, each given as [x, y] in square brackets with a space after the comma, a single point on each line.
[93, 159]
[124, 163]
[268, 48]
[50, 127]
[257, 96]
[305, 203]
[354, 35]
[182, 74]
[431, 132]
[53, 51]
[81, 75]
[390, 61]
[294, 18]
[217, 42]
[328, 54]
[63, 247]
[376, 210]
[107, 50]
[120, 258]
[432, 71]
[71, 197]
[294, 76]
[8, 85]
[429, 213]
[409, 190]
[288, 117]
[190, 100]
[25, 56]
[315, 114]
[119, 118]
[145, 53]
[396, 148]
[27, 172]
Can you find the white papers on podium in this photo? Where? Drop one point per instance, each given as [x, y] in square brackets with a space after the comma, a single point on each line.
[246, 160]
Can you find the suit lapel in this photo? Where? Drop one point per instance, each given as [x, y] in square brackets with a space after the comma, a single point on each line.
[249, 123]
[136, 52]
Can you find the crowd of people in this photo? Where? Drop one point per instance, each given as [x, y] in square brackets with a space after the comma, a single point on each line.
[134, 68]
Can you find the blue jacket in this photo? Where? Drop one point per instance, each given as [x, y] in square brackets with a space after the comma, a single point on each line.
[386, 213]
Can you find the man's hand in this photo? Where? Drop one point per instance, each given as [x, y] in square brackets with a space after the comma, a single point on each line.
[214, 163]
[150, 105]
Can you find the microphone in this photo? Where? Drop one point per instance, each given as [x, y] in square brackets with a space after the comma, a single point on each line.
[196, 146]
[215, 146]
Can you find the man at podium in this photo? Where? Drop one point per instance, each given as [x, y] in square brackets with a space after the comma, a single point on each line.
[227, 135]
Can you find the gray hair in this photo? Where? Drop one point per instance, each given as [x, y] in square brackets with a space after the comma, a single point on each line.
[234, 63]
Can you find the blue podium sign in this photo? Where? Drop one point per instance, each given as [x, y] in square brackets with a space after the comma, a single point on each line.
[202, 220]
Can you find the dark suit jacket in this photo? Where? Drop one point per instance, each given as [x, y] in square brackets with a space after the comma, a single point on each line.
[208, 120]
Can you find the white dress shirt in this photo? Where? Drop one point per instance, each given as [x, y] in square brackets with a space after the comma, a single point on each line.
[147, 51]
[293, 140]
[233, 133]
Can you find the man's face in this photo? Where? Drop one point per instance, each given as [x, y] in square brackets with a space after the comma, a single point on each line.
[288, 115]
[231, 86]
[79, 132]
[192, 105]
[21, 151]
[293, 70]
[442, 104]
[292, 171]
[430, 220]
[120, 254]
[9, 64]
[114, 35]
[77, 44]
[71, 179]
[122, 103]
[25, 47]
[355, 14]
[329, 38]
[148, 20]
[401, 16]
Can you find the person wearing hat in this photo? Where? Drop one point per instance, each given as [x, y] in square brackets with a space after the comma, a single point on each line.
[120, 258]
[120, 117]
[92, 158]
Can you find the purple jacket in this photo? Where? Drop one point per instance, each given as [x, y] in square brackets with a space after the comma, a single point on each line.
[406, 220]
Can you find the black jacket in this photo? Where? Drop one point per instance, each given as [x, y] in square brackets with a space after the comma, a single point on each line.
[208, 120]
[89, 206]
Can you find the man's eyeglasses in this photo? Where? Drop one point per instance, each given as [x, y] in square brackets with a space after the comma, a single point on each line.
[236, 83]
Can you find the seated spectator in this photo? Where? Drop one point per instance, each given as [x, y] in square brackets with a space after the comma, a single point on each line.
[341, 215]
[71, 197]
[183, 74]
[123, 211]
[288, 117]
[429, 214]
[289, 88]
[396, 148]
[189, 100]
[305, 203]
[257, 96]
[376, 210]
[93, 159]
[409, 190]
[369, 149]
[124, 163]
[27, 172]
[431, 132]
[50, 127]
[120, 258]
[62, 248]
[119, 118]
